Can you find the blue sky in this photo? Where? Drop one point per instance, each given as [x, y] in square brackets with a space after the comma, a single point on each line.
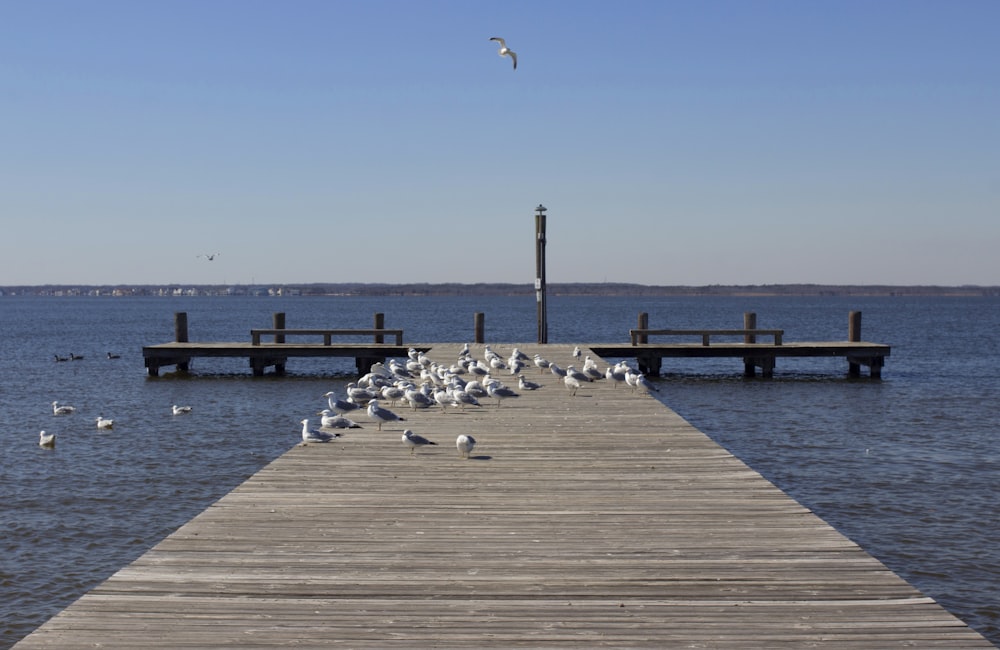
[692, 143]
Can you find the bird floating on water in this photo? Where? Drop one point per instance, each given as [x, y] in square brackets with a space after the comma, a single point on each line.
[315, 435]
[105, 423]
[465, 443]
[62, 410]
[505, 51]
[413, 441]
[180, 410]
[112, 355]
[47, 440]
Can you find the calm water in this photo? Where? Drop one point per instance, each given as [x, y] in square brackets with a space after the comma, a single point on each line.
[908, 467]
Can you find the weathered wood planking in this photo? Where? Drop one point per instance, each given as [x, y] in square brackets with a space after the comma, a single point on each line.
[602, 519]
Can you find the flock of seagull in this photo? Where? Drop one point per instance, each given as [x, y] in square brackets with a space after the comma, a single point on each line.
[47, 440]
[422, 383]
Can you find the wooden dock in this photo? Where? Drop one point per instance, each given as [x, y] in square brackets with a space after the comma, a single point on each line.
[274, 353]
[596, 520]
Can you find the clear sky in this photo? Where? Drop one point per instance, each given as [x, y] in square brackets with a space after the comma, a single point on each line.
[673, 142]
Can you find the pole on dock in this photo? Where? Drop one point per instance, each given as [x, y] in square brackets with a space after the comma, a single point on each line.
[854, 336]
[180, 336]
[543, 325]
[749, 323]
[479, 327]
[642, 324]
[379, 325]
[278, 323]
[181, 327]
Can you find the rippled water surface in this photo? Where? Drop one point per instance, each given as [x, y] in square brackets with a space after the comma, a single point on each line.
[908, 466]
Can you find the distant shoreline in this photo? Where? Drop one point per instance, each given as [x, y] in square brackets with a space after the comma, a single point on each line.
[494, 289]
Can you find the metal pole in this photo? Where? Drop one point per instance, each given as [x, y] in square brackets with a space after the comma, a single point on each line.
[543, 325]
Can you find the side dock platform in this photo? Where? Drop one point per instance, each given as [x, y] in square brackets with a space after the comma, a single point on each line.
[600, 519]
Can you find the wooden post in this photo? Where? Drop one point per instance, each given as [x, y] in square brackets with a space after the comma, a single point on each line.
[854, 336]
[543, 323]
[479, 327]
[181, 327]
[379, 325]
[278, 318]
[749, 323]
[181, 336]
[643, 324]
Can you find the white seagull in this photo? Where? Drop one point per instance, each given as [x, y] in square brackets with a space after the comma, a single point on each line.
[47, 440]
[506, 51]
[338, 405]
[62, 410]
[315, 435]
[527, 384]
[331, 420]
[499, 392]
[465, 443]
[181, 410]
[572, 383]
[413, 441]
[380, 414]
[104, 423]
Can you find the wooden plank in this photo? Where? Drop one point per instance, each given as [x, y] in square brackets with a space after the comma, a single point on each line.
[602, 519]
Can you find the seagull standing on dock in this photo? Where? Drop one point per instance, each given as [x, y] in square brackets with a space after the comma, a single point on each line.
[413, 441]
[506, 51]
[315, 435]
[464, 443]
[338, 405]
[380, 414]
[331, 420]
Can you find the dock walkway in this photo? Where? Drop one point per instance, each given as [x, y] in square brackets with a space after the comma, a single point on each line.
[596, 520]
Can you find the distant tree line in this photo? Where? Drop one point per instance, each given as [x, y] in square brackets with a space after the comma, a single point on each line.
[510, 289]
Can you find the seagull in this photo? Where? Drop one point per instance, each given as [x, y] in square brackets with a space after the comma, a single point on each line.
[75, 357]
[315, 435]
[210, 256]
[339, 405]
[500, 392]
[47, 440]
[465, 443]
[111, 355]
[572, 383]
[181, 410]
[541, 362]
[62, 410]
[556, 370]
[414, 441]
[380, 414]
[332, 420]
[58, 358]
[505, 51]
[527, 384]
[645, 384]
[105, 423]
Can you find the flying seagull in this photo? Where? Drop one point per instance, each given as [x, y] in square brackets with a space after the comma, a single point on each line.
[210, 256]
[506, 51]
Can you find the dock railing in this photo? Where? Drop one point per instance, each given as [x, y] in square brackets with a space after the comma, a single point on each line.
[279, 333]
[749, 335]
